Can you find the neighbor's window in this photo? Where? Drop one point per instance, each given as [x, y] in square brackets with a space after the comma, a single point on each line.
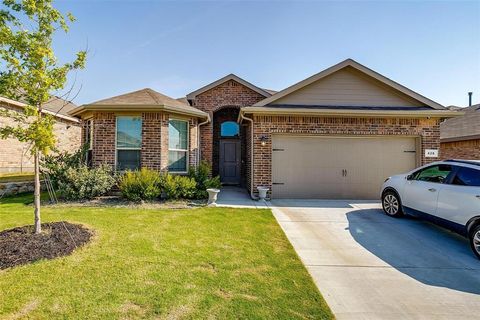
[177, 145]
[129, 142]
[229, 129]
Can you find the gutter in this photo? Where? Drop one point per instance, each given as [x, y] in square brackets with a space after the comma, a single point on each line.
[18, 104]
[198, 138]
[139, 108]
[460, 138]
[353, 113]
[242, 117]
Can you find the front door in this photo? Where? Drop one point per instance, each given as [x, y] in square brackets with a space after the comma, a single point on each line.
[230, 161]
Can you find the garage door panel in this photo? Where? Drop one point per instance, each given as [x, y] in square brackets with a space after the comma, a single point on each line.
[337, 167]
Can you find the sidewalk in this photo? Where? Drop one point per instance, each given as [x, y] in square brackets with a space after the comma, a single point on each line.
[238, 198]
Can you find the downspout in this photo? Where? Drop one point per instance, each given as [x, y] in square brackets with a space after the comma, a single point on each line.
[251, 152]
[198, 138]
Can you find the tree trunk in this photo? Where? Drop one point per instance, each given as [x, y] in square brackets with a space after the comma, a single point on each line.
[38, 226]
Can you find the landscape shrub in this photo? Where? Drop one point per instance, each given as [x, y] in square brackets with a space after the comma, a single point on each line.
[57, 164]
[84, 183]
[179, 187]
[201, 175]
[144, 184]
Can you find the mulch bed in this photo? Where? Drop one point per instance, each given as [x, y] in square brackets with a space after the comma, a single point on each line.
[21, 245]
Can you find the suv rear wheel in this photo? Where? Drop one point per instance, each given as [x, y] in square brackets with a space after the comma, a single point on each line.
[475, 240]
[391, 204]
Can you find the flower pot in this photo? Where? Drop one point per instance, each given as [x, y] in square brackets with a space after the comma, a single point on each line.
[262, 192]
[212, 197]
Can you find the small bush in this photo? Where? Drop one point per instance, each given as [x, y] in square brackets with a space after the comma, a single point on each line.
[201, 175]
[56, 165]
[84, 183]
[179, 187]
[140, 185]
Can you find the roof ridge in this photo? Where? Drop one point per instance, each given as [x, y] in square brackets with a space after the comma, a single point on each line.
[149, 92]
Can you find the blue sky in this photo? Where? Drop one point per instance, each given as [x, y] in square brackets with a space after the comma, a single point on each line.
[176, 47]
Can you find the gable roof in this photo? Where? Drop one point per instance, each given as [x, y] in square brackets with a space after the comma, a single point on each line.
[350, 63]
[59, 105]
[465, 127]
[144, 99]
[229, 77]
[55, 107]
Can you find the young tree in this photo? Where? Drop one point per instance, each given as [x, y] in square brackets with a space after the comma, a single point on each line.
[29, 71]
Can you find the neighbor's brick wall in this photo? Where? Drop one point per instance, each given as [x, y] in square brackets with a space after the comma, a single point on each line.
[15, 156]
[228, 94]
[427, 129]
[154, 153]
[468, 149]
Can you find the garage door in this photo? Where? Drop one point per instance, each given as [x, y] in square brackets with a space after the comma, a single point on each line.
[337, 167]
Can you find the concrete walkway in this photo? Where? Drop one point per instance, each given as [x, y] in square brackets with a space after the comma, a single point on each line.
[238, 198]
[370, 266]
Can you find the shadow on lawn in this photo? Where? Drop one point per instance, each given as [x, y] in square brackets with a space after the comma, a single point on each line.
[423, 251]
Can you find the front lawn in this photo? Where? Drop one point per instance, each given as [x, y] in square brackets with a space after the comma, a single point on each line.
[174, 264]
[16, 177]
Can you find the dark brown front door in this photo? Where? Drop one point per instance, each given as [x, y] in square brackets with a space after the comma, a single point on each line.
[230, 161]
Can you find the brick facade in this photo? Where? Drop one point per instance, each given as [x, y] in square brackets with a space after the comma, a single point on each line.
[468, 149]
[154, 152]
[15, 156]
[428, 130]
[104, 125]
[227, 94]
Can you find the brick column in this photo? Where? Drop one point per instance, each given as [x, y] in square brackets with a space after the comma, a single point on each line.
[151, 140]
[104, 126]
[164, 143]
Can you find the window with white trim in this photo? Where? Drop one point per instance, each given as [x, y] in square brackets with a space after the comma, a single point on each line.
[129, 142]
[177, 145]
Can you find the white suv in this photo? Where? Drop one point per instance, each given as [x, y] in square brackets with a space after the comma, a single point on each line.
[445, 192]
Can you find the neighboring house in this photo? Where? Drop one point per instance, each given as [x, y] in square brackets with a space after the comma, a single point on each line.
[15, 156]
[460, 137]
[336, 134]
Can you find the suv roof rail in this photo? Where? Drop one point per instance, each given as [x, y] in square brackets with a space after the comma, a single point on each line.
[472, 162]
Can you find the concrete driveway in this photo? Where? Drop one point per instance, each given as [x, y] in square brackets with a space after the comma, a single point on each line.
[370, 266]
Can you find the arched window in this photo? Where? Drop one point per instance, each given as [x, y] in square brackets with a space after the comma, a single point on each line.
[229, 129]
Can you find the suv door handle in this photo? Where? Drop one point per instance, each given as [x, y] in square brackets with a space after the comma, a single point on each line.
[478, 196]
[432, 189]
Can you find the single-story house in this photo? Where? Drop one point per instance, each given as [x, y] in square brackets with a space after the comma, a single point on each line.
[336, 134]
[460, 136]
[15, 156]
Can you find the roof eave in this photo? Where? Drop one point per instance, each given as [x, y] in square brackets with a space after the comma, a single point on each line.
[173, 109]
[23, 105]
[461, 138]
[352, 113]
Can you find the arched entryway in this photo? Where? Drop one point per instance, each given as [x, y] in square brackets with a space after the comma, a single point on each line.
[228, 146]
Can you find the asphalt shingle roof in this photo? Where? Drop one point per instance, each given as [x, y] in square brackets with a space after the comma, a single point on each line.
[462, 127]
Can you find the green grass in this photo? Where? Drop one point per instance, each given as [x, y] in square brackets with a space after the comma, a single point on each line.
[16, 177]
[205, 263]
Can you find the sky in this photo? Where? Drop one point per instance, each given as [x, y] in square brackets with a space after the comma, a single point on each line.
[176, 47]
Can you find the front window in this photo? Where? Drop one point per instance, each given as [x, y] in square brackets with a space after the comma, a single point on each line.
[436, 174]
[177, 145]
[129, 142]
[229, 129]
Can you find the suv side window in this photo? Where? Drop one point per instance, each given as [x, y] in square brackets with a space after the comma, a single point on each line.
[437, 173]
[467, 177]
